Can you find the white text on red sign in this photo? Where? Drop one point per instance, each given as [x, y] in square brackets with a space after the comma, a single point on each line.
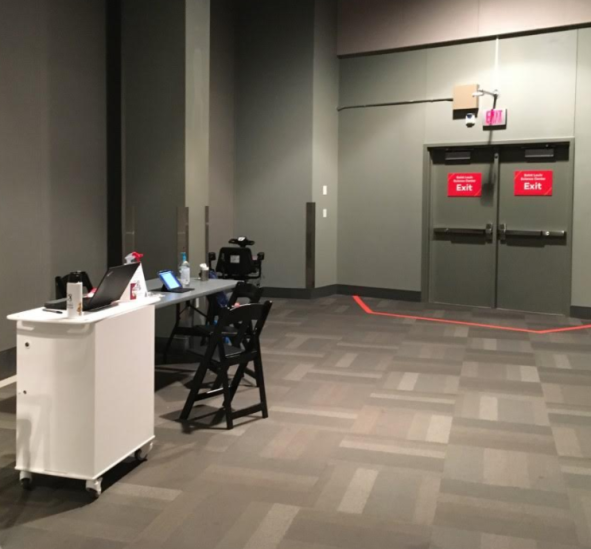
[468, 185]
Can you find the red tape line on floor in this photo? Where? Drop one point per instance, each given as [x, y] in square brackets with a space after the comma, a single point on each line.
[369, 311]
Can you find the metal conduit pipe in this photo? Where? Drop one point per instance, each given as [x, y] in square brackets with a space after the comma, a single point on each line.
[395, 103]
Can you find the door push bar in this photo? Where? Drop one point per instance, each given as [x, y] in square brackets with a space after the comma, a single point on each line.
[459, 231]
[464, 231]
[504, 233]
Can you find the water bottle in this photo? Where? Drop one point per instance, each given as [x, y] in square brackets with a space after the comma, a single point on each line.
[74, 306]
[185, 270]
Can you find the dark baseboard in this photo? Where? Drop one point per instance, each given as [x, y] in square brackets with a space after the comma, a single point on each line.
[380, 293]
[287, 293]
[342, 289]
[580, 312]
[301, 293]
[325, 291]
[7, 363]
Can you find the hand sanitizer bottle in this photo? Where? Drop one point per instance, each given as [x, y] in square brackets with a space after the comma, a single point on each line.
[185, 270]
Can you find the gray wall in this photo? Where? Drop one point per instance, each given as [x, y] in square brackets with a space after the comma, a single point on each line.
[325, 140]
[377, 25]
[381, 148]
[153, 52]
[380, 182]
[274, 82]
[537, 74]
[221, 134]
[52, 148]
[166, 128]
[582, 213]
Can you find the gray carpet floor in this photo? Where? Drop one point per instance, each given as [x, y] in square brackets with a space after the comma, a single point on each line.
[383, 433]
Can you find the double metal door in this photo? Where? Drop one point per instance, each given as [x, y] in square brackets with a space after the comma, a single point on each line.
[500, 227]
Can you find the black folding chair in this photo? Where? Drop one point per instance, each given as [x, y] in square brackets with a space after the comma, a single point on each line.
[218, 357]
[242, 291]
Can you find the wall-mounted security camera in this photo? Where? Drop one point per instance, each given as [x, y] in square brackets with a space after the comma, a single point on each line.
[470, 120]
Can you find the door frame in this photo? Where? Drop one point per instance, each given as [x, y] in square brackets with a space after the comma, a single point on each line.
[426, 210]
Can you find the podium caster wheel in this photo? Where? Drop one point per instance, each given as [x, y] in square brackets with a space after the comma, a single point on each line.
[141, 454]
[93, 487]
[26, 480]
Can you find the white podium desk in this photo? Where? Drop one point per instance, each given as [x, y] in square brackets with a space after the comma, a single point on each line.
[85, 390]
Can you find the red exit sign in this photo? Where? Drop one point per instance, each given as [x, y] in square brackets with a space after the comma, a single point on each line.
[466, 185]
[495, 118]
[534, 183]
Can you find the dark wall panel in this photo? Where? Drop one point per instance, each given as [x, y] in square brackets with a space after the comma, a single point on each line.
[52, 148]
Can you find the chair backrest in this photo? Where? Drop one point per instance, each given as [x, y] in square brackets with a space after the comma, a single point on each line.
[61, 284]
[235, 263]
[245, 319]
[244, 290]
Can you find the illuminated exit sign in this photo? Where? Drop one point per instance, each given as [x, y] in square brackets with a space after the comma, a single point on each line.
[495, 118]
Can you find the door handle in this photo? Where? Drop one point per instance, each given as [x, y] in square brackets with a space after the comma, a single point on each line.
[504, 232]
[459, 231]
[489, 230]
[537, 234]
[554, 234]
[524, 234]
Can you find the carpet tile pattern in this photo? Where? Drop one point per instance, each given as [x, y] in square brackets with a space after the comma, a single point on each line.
[383, 433]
